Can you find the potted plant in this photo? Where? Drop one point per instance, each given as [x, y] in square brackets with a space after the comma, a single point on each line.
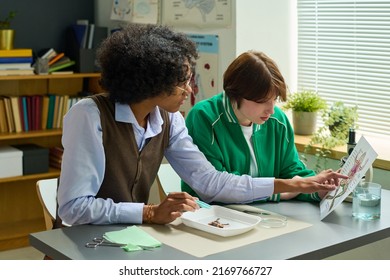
[338, 120]
[305, 105]
[6, 33]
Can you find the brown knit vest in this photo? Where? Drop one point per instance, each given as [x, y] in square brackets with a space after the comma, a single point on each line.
[129, 173]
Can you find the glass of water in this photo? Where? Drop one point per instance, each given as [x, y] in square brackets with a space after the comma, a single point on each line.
[366, 202]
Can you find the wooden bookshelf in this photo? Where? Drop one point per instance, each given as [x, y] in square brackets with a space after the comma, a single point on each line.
[20, 210]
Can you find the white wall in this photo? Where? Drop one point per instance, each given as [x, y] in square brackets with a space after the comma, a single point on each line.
[269, 26]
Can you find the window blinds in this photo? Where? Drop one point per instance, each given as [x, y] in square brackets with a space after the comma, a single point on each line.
[344, 54]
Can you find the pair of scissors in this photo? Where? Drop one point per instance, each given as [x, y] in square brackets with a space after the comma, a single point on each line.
[99, 241]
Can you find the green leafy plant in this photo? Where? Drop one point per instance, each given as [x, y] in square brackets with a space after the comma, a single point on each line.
[305, 101]
[6, 22]
[338, 119]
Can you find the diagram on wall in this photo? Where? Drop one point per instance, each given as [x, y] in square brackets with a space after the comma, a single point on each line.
[121, 10]
[204, 82]
[361, 158]
[137, 11]
[199, 13]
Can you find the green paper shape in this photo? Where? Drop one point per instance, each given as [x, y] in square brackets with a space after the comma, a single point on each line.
[132, 236]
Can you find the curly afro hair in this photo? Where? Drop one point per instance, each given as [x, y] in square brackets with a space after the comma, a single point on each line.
[143, 61]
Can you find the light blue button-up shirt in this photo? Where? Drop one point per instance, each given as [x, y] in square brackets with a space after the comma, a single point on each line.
[83, 166]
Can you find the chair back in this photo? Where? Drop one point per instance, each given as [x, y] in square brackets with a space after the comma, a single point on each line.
[47, 194]
[167, 180]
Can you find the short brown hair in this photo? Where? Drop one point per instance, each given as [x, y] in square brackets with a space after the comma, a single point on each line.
[254, 76]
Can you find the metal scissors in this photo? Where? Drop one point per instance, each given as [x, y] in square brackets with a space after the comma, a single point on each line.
[100, 241]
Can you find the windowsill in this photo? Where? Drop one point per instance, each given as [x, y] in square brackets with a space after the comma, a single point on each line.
[379, 145]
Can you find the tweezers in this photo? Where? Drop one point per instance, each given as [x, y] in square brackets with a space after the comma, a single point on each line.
[203, 204]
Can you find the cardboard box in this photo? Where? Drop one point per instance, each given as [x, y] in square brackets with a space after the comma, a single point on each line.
[35, 158]
[11, 163]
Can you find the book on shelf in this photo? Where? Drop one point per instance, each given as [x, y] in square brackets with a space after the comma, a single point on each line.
[21, 59]
[62, 66]
[48, 53]
[56, 58]
[16, 113]
[37, 111]
[65, 109]
[21, 113]
[16, 53]
[45, 111]
[50, 113]
[25, 113]
[55, 112]
[29, 112]
[8, 112]
[15, 66]
[59, 111]
[3, 116]
[17, 72]
[61, 61]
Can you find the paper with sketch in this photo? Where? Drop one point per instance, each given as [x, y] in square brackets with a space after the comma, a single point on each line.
[361, 158]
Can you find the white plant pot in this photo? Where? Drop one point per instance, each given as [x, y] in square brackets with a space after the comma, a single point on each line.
[304, 123]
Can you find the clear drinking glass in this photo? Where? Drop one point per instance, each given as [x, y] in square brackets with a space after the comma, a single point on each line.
[366, 202]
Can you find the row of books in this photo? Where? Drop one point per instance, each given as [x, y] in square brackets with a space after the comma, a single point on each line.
[16, 62]
[35, 112]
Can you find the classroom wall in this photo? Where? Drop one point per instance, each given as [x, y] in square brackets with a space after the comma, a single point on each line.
[43, 24]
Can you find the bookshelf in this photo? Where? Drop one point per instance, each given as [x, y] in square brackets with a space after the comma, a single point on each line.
[20, 210]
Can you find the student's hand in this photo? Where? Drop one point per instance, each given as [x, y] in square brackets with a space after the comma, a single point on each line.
[172, 207]
[325, 181]
[330, 177]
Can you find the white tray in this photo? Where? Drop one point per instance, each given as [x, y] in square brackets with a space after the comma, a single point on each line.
[237, 222]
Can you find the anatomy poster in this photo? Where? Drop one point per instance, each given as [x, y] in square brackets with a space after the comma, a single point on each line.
[205, 78]
[361, 158]
[137, 11]
[197, 13]
[121, 10]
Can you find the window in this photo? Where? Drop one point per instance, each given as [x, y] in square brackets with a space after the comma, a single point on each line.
[344, 54]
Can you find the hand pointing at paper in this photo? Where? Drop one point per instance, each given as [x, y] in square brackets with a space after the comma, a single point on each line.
[323, 182]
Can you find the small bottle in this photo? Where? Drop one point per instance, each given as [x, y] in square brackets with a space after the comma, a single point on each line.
[351, 140]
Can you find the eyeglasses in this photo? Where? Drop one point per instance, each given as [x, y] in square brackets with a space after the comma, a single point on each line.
[187, 84]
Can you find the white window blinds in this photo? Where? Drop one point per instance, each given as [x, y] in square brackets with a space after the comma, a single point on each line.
[344, 54]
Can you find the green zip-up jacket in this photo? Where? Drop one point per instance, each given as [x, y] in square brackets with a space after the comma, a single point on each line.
[216, 131]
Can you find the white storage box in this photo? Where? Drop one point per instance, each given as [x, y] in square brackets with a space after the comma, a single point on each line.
[11, 162]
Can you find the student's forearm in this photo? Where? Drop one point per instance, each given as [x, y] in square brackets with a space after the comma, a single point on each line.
[285, 185]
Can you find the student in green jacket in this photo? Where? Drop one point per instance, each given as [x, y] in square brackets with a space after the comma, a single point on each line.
[241, 131]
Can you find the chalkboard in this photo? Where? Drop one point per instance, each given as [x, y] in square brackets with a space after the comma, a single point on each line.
[41, 24]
